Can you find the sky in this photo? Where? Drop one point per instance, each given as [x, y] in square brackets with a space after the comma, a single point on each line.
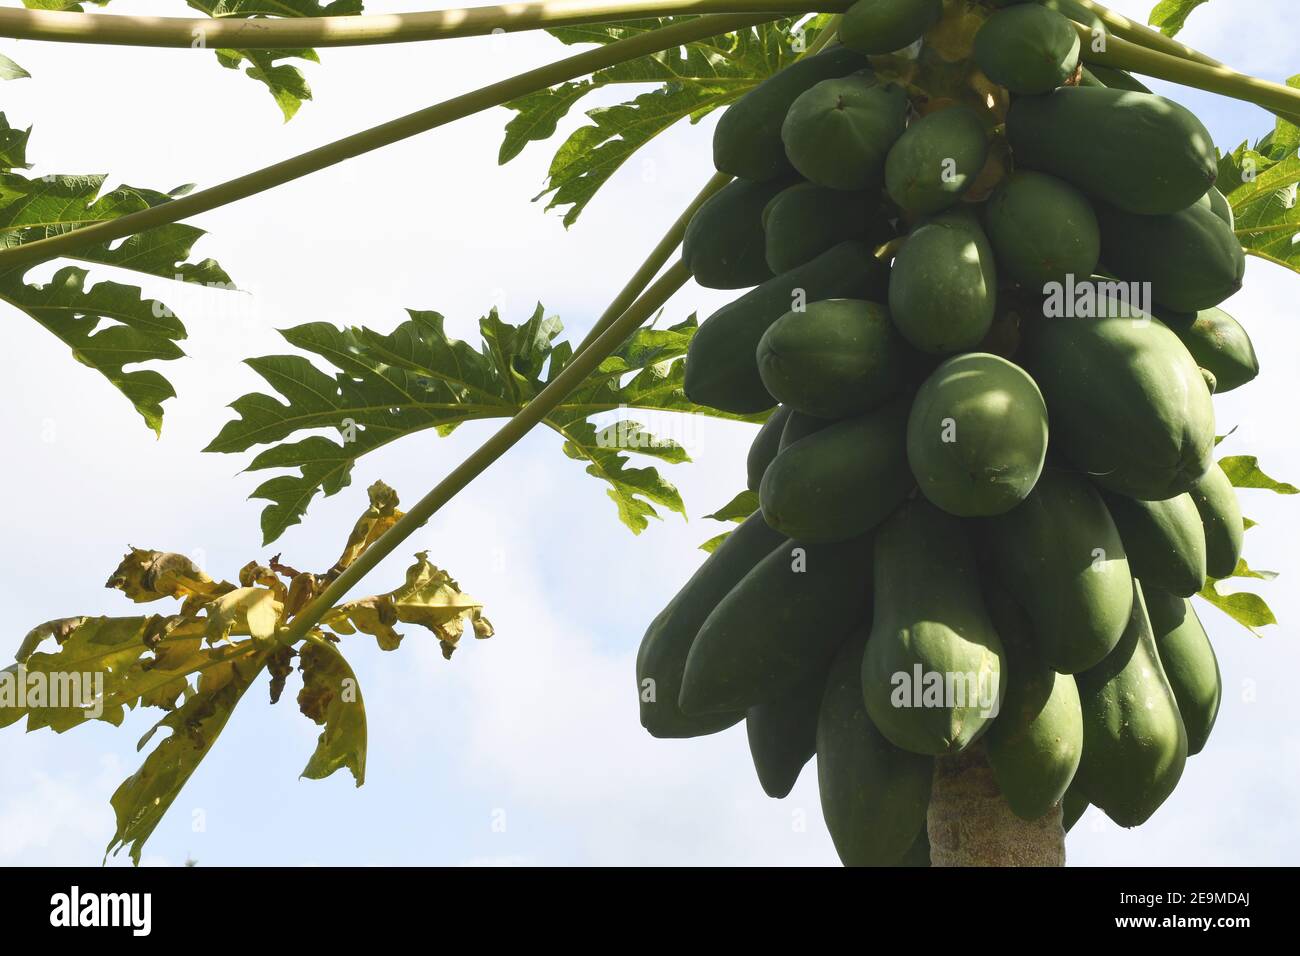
[524, 749]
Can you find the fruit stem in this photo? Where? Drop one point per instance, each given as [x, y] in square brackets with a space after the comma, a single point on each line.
[257, 34]
[1125, 55]
[1144, 35]
[440, 114]
[582, 365]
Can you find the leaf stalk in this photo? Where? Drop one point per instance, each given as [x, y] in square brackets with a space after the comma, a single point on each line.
[260, 34]
[1125, 55]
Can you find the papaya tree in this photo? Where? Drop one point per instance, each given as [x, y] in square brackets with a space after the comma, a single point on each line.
[982, 266]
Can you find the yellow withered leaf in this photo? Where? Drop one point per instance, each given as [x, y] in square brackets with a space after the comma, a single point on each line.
[251, 611]
[378, 518]
[429, 598]
[152, 575]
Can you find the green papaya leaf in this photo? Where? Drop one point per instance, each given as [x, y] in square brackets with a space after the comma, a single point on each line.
[9, 70]
[284, 81]
[1262, 187]
[107, 325]
[738, 508]
[690, 82]
[1249, 610]
[1169, 16]
[330, 697]
[1244, 570]
[144, 797]
[417, 378]
[1244, 472]
[13, 146]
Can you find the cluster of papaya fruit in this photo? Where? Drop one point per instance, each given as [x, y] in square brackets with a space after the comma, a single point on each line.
[987, 329]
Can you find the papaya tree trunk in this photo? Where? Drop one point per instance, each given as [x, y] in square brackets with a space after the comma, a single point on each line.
[970, 824]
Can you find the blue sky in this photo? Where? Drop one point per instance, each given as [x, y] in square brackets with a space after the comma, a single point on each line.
[537, 727]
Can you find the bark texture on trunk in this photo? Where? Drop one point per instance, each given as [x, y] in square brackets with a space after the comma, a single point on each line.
[971, 825]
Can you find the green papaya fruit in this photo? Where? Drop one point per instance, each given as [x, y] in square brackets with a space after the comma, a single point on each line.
[778, 627]
[932, 673]
[722, 364]
[832, 359]
[882, 26]
[798, 427]
[943, 286]
[1073, 806]
[874, 796]
[765, 446]
[1042, 230]
[1061, 557]
[783, 736]
[1137, 151]
[747, 140]
[724, 245]
[838, 133]
[1036, 741]
[977, 435]
[1125, 399]
[1218, 204]
[1028, 49]
[1191, 258]
[1164, 541]
[841, 481]
[1225, 530]
[919, 852]
[936, 160]
[1218, 343]
[1189, 662]
[803, 221]
[662, 655]
[1134, 741]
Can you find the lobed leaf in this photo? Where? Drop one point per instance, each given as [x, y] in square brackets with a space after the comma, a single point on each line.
[1261, 185]
[692, 81]
[105, 666]
[418, 378]
[284, 81]
[197, 663]
[108, 326]
[428, 598]
[144, 797]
